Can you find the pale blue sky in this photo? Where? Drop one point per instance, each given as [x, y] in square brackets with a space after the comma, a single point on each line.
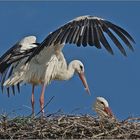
[116, 78]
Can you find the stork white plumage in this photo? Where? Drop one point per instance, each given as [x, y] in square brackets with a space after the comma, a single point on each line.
[46, 61]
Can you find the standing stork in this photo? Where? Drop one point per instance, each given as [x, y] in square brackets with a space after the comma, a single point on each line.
[47, 62]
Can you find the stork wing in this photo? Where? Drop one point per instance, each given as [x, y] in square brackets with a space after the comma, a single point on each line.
[88, 30]
[18, 51]
[11, 58]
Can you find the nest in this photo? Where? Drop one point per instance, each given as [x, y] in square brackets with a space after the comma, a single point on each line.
[68, 127]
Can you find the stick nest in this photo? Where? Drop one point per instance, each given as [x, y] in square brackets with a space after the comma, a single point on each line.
[68, 127]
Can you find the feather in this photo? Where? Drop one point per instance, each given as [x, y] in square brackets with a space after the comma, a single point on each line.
[114, 39]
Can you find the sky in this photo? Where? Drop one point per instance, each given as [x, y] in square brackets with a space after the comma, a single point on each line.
[116, 78]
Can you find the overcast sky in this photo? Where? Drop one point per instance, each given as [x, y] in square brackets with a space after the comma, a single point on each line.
[117, 78]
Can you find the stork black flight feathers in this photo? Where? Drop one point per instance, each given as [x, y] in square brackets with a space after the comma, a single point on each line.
[88, 31]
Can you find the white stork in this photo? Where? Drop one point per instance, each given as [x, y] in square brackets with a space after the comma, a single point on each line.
[46, 61]
[102, 108]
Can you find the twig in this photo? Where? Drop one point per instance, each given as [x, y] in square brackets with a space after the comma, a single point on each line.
[105, 133]
[45, 105]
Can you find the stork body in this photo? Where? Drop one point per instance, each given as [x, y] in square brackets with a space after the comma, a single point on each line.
[35, 72]
[46, 62]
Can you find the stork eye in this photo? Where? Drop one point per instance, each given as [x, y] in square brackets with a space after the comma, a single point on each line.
[81, 67]
[102, 102]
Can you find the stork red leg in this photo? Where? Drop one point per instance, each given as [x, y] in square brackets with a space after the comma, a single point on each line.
[32, 99]
[42, 99]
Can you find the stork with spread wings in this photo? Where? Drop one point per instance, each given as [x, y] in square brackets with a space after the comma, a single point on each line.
[40, 63]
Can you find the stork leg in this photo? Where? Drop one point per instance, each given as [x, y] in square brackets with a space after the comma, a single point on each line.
[32, 99]
[42, 99]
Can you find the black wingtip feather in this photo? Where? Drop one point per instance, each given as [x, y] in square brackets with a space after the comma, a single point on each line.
[13, 89]
[121, 35]
[18, 87]
[122, 30]
[114, 39]
[96, 35]
[102, 38]
[8, 91]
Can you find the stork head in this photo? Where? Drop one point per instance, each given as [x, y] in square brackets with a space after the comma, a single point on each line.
[102, 108]
[79, 68]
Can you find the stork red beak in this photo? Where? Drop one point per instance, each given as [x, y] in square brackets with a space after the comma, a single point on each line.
[84, 81]
[108, 111]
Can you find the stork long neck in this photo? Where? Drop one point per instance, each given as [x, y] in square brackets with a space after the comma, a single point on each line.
[70, 70]
[66, 72]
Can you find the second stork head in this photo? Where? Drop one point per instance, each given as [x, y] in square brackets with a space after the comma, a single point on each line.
[102, 108]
